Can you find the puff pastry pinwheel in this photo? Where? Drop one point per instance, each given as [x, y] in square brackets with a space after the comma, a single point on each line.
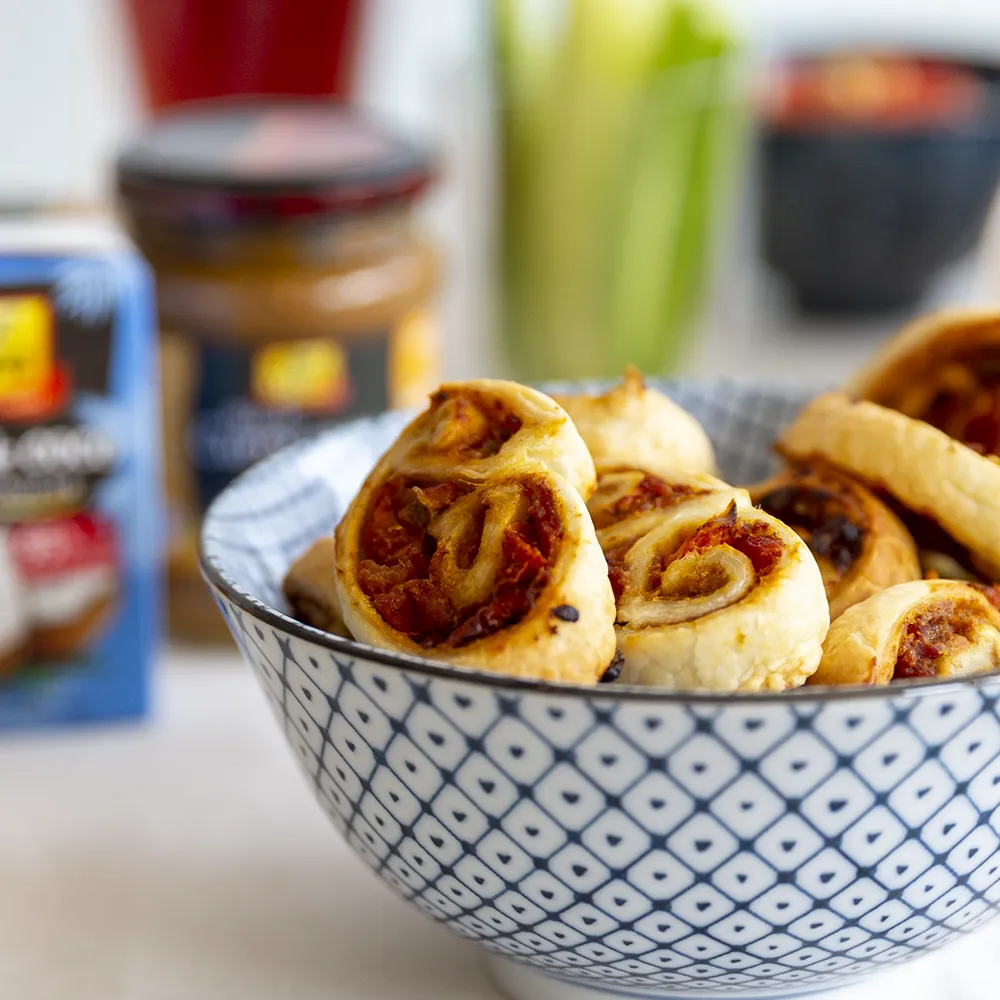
[472, 430]
[634, 426]
[711, 593]
[860, 545]
[505, 575]
[943, 369]
[311, 591]
[927, 628]
[950, 486]
[470, 542]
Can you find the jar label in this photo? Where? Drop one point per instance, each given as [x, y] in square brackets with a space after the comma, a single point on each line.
[226, 406]
[251, 401]
[309, 375]
[414, 363]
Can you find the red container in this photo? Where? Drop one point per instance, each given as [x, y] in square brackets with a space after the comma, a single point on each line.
[194, 49]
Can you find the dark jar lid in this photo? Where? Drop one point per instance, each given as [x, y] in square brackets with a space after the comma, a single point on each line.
[266, 160]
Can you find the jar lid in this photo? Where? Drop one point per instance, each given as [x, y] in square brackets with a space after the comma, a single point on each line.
[243, 160]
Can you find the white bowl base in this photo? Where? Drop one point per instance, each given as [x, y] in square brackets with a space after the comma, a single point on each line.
[518, 982]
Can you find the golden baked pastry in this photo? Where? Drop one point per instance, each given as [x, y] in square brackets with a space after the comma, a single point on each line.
[860, 545]
[630, 502]
[504, 575]
[470, 542]
[711, 593]
[943, 369]
[311, 590]
[936, 565]
[633, 426]
[471, 430]
[927, 628]
[923, 468]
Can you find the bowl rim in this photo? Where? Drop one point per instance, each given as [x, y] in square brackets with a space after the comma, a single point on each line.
[217, 579]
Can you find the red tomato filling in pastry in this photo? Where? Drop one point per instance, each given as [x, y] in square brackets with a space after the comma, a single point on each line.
[650, 493]
[928, 635]
[401, 572]
[966, 406]
[757, 541]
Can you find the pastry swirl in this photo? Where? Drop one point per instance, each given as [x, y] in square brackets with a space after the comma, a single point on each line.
[945, 370]
[922, 629]
[929, 473]
[860, 545]
[472, 430]
[470, 542]
[711, 593]
[504, 575]
[633, 426]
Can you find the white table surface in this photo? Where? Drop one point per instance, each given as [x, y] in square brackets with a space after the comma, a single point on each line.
[185, 858]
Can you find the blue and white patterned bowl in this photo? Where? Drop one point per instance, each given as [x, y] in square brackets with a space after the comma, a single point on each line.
[619, 841]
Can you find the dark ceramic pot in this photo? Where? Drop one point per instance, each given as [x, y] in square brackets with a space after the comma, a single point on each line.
[861, 221]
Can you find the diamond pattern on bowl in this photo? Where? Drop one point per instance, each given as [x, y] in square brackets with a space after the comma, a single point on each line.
[553, 829]
[654, 845]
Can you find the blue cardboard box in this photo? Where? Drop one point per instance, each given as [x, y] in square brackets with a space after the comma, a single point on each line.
[79, 475]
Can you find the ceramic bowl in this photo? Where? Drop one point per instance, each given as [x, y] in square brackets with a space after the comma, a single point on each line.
[617, 841]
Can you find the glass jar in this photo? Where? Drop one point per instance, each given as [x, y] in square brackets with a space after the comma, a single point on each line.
[294, 292]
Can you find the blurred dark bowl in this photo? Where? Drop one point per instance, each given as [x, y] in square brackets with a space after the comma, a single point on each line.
[861, 220]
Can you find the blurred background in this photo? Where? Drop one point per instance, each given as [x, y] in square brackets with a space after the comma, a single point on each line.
[226, 224]
[78, 87]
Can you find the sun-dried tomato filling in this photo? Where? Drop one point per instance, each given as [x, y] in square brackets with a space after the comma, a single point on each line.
[756, 540]
[400, 568]
[650, 493]
[828, 517]
[928, 635]
[616, 569]
[991, 591]
[962, 398]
